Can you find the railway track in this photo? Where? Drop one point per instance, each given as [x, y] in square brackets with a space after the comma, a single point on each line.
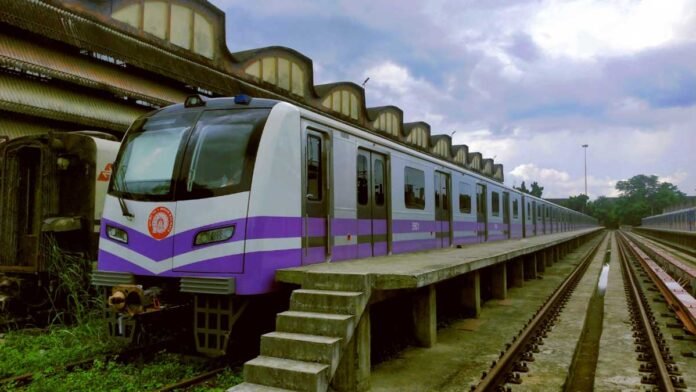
[195, 380]
[514, 359]
[658, 364]
[654, 363]
[671, 244]
[670, 284]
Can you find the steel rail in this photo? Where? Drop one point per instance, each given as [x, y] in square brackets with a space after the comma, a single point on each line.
[664, 379]
[671, 244]
[678, 299]
[195, 380]
[673, 257]
[499, 372]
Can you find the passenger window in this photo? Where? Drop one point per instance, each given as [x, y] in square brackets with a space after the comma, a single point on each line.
[515, 209]
[495, 204]
[314, 168]
[464, 198]
[414, 188]
[529, 211]
[379, 182]
[362, 180]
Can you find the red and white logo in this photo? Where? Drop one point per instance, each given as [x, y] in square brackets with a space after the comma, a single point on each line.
[160, 223]
[105, 174]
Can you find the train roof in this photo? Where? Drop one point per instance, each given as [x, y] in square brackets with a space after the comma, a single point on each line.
[238, 101]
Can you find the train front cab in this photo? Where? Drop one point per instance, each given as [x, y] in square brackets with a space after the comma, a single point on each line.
[180, 229]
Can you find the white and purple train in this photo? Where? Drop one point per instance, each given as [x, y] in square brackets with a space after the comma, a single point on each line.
[216, 195]
[683, 220]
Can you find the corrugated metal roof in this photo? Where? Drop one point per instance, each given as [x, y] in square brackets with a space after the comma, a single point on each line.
[16, 51]
[15, 128]
[44, 100]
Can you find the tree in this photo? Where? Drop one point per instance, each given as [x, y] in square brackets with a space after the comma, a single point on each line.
[577, 203]
[522, 188]
[537, 190]
[605, 210]
[647, 195]
[640, 196]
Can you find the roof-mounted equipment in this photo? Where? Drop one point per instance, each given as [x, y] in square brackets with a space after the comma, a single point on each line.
[193, 101]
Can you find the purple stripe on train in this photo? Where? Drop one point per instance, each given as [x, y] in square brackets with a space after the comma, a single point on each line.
[292, 227]
[466, 226]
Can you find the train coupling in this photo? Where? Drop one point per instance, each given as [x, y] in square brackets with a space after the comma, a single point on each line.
[133, 300]
[9, 291]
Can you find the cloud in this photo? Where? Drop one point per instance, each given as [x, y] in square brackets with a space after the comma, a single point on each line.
[594, 28]
[559, 184]
[526, 82]
[529, 171]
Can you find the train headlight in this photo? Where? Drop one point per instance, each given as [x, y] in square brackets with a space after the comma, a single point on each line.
[214, 235]
[117, 234]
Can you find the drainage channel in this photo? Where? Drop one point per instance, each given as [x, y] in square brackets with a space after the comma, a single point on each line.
[581, 375]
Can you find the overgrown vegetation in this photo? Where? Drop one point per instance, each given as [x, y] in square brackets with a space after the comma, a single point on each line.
[162, 370]
[26, 351]
[70, 293]
[77, 332]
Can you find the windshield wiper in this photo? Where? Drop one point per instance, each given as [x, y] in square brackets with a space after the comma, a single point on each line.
[121, 201]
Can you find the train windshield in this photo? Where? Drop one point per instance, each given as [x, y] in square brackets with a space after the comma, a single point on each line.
[189, 155]
[220, 155]
[149, 154]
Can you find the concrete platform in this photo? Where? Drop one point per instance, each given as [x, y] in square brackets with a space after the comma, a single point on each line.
[414, 270]
[325, 337]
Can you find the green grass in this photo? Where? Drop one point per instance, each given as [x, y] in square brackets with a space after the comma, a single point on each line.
[46, 353]
[161, 371]
[23, 351]
[222, 382]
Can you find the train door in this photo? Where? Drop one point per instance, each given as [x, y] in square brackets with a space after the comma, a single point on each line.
[24, 202]
[525, 215]
[534, 217]
[442, 210]
[315, 244]
[481, 213]
[506, 215]
[372, 204]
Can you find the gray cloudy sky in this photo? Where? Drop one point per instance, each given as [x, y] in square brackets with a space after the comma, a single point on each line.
[527, 82]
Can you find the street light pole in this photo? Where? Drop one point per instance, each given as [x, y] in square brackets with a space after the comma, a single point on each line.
[584, 147]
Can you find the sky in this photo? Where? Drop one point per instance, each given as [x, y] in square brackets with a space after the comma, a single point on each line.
[525, 82]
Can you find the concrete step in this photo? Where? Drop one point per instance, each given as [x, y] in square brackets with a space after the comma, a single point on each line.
[301, 347]
[326, 301]
[311, 323]
[249, 387]
[334, 281]
[287, 373]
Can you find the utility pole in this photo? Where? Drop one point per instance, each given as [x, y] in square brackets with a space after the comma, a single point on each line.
[584, 147]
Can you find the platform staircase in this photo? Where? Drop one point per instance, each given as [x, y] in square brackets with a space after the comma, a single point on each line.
[304, 352]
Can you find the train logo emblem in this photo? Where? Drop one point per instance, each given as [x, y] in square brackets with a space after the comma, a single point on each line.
[160, 223]
[105, 174]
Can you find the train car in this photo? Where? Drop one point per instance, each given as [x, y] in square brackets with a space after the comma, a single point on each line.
[683, 219]
[209, 198]
[52, 186]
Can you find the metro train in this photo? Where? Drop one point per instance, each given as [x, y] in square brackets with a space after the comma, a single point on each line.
[210, 197]
[683, 219]
[52, 188]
